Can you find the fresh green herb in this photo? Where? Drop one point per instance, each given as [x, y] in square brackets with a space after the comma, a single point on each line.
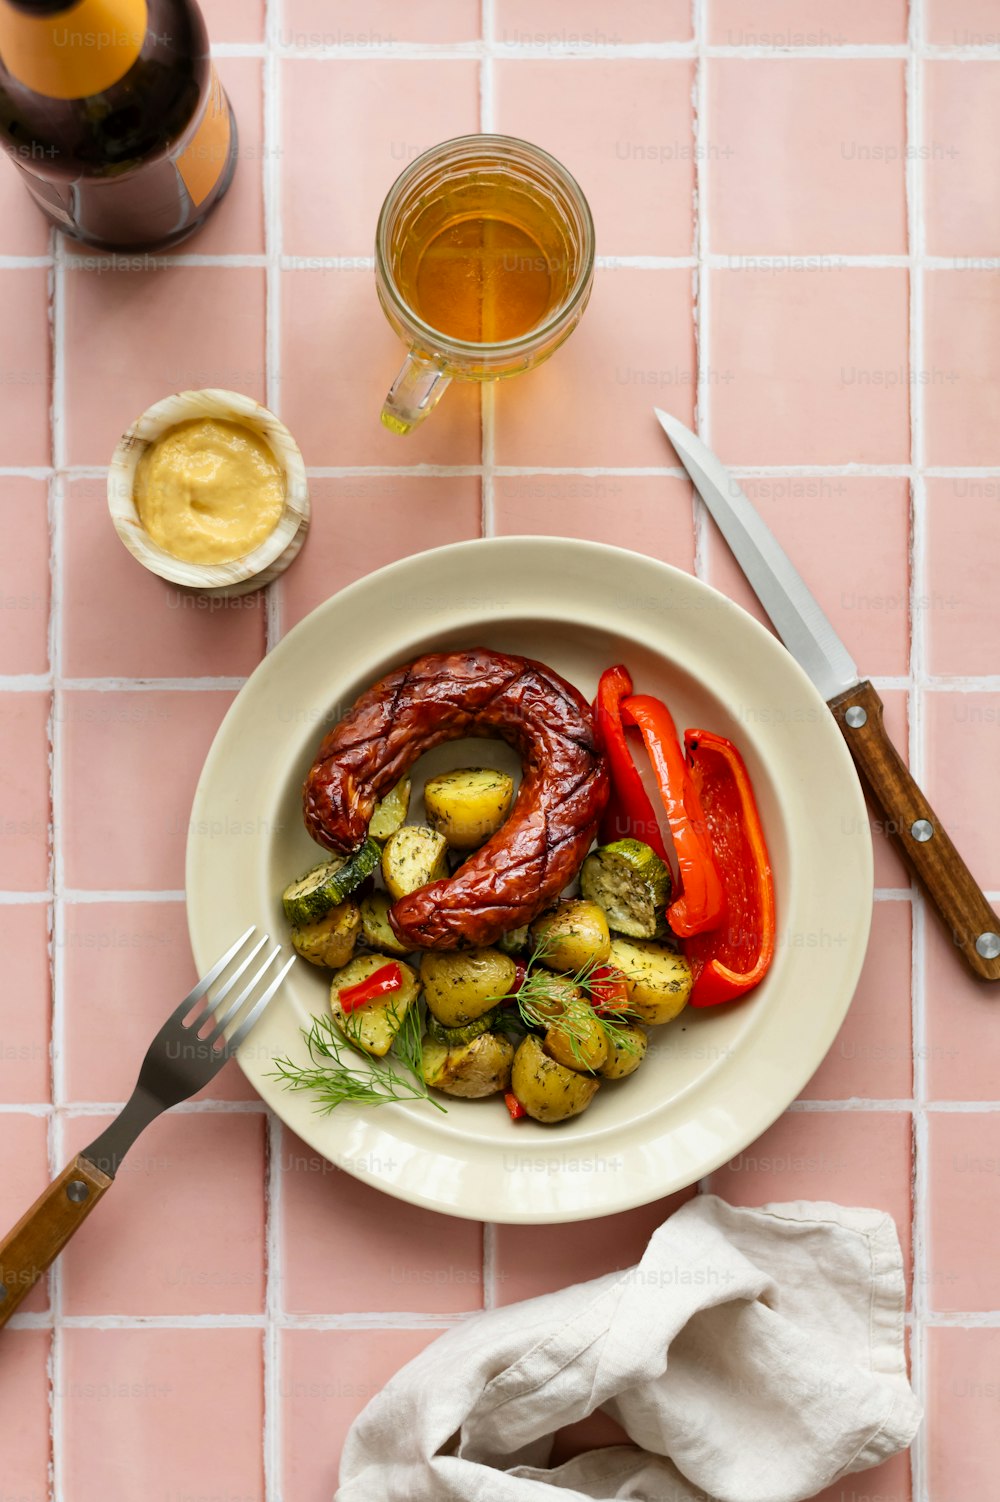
[334, 1081]
[541, 1003]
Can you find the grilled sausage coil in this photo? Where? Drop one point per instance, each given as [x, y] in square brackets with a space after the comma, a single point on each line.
[444, 696]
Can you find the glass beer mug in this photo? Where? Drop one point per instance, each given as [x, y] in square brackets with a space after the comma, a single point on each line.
[484, 261]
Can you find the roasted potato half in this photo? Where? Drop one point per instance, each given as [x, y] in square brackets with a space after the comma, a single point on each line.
[547, 1090]
[468, 805]
[331, 939]
[624, 1057]
[373, 1026]
[659, 981]
[412, 857]
[472, 1070]
[390, 811]
[574, 935]
[579, 1041]
[376, 929]
[460, 985]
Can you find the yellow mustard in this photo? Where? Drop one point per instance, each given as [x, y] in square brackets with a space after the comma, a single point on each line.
[209, 490]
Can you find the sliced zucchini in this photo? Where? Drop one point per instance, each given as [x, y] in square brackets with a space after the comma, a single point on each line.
[631, 883]
[373, 1026]
[474, 1069]
[331, 939]
[391, 812]
[322, 888]
[626, 1052]
[468, 805]
[659, 980]
[454, 1037]
[376, 929]
[413, 856]
[515, 940]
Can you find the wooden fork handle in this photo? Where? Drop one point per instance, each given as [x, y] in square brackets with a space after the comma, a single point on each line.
[919, 834]
[40, 1235]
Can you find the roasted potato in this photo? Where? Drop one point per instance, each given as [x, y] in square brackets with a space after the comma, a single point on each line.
[659, 981]
[480, 1067]
[373, 1026]
[460, 985]
[579, 1041]
[391, 811]
[468, 805]
[331, 939]
[573, 935]
[547, 1090]
[412, 857]
[375, 927]
[624, 1058]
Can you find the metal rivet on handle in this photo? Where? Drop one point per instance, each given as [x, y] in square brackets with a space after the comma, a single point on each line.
[988, 946]
[856, 716]
[922, 830]
[77, 1191]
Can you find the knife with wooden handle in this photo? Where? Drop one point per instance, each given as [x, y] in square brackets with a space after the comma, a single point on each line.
[854, 703]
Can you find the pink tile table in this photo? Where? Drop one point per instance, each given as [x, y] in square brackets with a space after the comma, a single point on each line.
[798, 221]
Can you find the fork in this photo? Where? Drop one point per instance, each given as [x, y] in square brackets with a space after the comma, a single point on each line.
[183, 1057]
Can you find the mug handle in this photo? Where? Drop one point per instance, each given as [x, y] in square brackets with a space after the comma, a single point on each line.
[414, 394]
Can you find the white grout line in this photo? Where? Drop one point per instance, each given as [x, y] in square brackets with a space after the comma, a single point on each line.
[411, 471]
[701, 277]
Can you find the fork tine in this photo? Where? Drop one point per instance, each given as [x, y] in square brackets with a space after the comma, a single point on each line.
[220, 996]
[221, 1023]
[255, 1013]
[211, 977]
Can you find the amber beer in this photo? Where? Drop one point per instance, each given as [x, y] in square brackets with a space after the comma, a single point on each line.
[113, 114]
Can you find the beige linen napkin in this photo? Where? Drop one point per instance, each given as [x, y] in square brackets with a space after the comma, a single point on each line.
[751, 1356]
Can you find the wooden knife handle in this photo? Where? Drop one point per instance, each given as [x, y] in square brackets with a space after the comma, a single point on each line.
[40, 1235]
[919, 834]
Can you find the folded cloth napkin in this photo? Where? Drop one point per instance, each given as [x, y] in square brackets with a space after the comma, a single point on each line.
[751, 1356]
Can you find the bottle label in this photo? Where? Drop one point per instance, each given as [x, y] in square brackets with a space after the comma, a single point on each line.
[202, 160]
[76, 52]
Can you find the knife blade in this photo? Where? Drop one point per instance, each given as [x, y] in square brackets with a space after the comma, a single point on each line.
[810, 637]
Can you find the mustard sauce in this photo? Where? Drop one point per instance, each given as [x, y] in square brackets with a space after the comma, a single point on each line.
[209, 490]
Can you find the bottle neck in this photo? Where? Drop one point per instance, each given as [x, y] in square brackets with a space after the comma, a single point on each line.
[70, 51]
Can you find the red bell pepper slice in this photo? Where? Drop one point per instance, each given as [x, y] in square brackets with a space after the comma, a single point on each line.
[702, 901]
[629, 813]
[381, 982]
[608, 989]
[514, 1106]
[735, 957]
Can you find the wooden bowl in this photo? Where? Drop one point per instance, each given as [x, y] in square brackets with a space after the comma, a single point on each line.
[240, 575]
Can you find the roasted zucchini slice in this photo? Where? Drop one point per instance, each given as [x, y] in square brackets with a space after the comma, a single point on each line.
[454, 1037]
[373, 1026]
[331, 939]
[413, 856]
[376, 930]
[631, 883]
[468, 805]
[391, 812]
[322, 888]
[515, 941]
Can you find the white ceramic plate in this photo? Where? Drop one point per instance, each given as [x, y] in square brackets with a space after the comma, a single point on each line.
[715, 1079]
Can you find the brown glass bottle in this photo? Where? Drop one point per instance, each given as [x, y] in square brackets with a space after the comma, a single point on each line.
[113, 114]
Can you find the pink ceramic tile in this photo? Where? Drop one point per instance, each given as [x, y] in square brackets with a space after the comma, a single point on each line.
[963, 1046]
[890, 869]
[964, 1152]
[963, 610]
[397, 108]
[864, 590]
[962, 23]
[365, 24]
[884, 1483]
[24, 576]
[183, 1230]
[810, 363]
[347, 1249]
[337, 342]
[144, 628]
[963, 217]
[234, 21]
[625, 129]
[781, 24]
[533, 1260]
[24, 1003]
[24, 229]
[110, 951]
[24, 1163]
[327, 1377]
[25, 366]
[24, 1402]
[961, 388]
[200, 326]
[238, 226]
[649, 514]
[591, 404]
[24, 792]
[131, 763]
[849, 1157]
[362, 523]
[872, 1057]
[962, 1414]
[164, 1413]
[963, 732]
[592, 23]
[793, 143]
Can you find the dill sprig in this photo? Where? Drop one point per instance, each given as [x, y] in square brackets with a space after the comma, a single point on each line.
[541, 1002]
[335, 1082]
